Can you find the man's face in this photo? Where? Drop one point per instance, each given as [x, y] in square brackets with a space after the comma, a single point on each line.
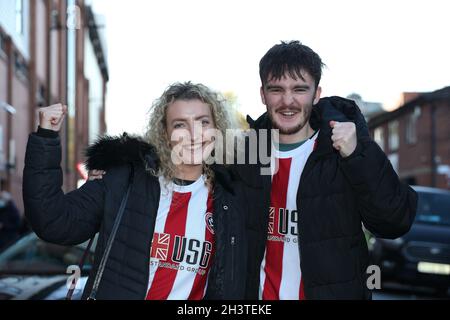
[289, 102]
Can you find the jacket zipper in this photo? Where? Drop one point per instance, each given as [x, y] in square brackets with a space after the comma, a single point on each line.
[299, 233]
[233, 242]
[152, 229]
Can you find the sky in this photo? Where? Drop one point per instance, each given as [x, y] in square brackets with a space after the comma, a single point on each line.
[377, 49]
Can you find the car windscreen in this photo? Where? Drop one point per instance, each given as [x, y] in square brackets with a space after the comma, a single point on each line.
[433, 208]
[31, 255]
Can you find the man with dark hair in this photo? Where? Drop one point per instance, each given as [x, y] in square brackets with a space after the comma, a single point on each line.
[306, 239]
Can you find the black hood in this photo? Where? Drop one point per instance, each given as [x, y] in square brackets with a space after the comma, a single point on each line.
[112, 151]
[338, 109]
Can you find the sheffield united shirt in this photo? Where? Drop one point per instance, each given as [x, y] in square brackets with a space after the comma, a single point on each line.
[280, 276]
[183, 242]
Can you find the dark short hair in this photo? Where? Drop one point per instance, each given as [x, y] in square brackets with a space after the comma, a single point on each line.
[292, 57]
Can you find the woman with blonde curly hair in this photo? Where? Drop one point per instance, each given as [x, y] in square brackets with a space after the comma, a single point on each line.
[170, 219]
[212, 120]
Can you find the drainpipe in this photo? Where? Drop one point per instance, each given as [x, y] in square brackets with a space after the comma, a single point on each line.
[9, 135]
[433, 146]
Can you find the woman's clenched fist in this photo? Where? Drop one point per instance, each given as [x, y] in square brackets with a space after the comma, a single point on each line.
[52, 117]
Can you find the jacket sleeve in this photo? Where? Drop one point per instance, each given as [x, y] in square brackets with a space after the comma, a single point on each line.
[64, 219]
[386, 205]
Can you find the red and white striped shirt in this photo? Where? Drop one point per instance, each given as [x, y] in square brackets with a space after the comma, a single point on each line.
[280, 276]
[183, 242]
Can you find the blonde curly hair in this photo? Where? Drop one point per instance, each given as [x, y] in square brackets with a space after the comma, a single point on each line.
[156, 133]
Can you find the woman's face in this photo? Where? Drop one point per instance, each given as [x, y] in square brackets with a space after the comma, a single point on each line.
[190, 126]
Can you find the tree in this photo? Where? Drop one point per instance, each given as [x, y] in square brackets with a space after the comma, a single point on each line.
[237, 117]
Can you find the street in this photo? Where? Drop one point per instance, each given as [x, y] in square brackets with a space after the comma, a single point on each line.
[395, 291]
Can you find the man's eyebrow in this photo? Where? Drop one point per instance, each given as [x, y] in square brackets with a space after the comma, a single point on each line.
[299, 86]
[302, 86]
[273, 86]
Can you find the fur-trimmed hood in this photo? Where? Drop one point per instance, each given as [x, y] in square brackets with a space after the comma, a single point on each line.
[111, 151]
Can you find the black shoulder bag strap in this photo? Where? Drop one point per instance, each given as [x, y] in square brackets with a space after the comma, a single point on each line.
[111, 238]
[80, 267]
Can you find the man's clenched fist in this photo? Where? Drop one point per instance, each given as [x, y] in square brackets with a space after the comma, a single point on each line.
[344, 137]
[52, 117]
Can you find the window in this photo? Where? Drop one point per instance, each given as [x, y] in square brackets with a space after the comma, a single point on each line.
[393, 158]
[393, 135]
[433, 208]
[41, 95]
[411, 126]
[2, 43]
[20, 65]
[31, 254]
[378, 136]
[19, 16]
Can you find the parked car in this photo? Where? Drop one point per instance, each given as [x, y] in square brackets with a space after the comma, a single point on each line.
[32, 269]
[422, 256]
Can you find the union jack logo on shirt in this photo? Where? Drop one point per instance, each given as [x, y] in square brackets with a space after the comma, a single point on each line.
[271, 219]
[160, 246]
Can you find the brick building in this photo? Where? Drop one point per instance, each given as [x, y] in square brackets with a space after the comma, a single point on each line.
[416, 138]
[50, 52]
